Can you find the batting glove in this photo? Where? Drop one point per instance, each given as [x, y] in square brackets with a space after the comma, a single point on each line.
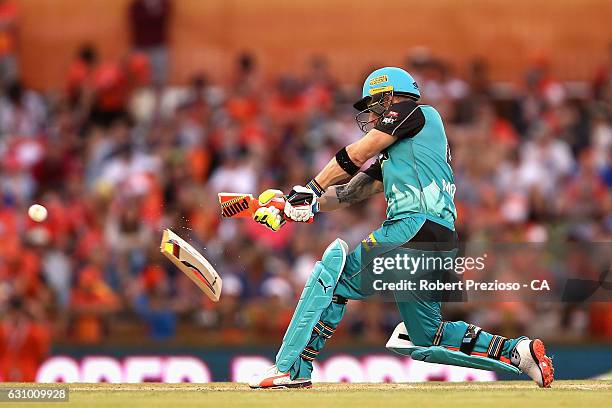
[271, 217]
[301, 204]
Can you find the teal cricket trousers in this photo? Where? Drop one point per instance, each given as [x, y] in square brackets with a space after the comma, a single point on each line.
[422, 318]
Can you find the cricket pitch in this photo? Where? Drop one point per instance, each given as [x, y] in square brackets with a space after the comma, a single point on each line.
[590, 394]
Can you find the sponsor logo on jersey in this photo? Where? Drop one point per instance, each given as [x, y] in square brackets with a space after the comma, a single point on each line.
[378, 80]
[393, 114]
[370, 242]
[450, 188]
[388, 121]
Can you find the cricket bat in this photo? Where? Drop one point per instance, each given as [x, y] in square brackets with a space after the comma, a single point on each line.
[237, 205]
[192, 264]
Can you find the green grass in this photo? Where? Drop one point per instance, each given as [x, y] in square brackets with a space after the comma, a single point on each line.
[590, 394]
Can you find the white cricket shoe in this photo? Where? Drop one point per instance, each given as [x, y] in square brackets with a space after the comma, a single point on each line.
[272, 378]
[530, 357]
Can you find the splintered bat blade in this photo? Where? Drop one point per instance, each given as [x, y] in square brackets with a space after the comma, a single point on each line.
[191, 263]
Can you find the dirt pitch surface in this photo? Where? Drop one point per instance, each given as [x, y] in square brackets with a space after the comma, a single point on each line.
[590, 394]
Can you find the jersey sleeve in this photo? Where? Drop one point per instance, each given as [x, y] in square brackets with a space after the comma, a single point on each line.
[375, 170]
[402, 120]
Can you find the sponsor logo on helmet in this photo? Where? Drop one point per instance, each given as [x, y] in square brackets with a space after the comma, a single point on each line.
[415, 85]
[375, 91]
[378, 80]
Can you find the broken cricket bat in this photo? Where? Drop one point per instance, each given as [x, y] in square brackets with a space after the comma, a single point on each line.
[237, 205]
[192, 264]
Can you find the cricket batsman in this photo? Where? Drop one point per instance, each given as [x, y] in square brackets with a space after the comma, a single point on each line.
[413, 170]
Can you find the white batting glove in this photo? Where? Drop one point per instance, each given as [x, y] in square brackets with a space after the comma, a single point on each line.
[301, 204]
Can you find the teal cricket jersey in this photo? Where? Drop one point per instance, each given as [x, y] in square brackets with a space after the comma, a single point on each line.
[415, 170]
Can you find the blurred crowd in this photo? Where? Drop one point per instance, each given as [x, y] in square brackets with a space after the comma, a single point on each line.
[119, 154]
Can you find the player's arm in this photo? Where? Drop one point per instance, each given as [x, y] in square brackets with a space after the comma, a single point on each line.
[303, 202]
[349, 160]
[402, 120]
[360, 187]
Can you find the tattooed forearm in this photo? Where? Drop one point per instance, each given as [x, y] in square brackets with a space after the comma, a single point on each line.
[359, 188]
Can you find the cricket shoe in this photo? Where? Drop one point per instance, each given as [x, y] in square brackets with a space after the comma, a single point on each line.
[274, 379]
[530, 357]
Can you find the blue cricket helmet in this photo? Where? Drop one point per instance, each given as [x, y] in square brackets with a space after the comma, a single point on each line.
[387, 79]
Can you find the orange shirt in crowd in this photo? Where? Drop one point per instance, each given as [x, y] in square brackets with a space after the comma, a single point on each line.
[504, 133]
[8, 18]
[79, 74]
[600, 319]
[22, 267]
[111, 87]
[287, 110]
[90, 301]
[241, 107]
[139, 68]
[23, 347]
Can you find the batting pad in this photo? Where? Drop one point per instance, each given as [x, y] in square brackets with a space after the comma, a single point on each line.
[400, 343]
[315, 298]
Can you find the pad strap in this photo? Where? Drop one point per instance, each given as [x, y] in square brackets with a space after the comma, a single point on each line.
[438, 336]
[346, 163]
[323, 329]
[496, 346]
[469, 339]
[309, 354]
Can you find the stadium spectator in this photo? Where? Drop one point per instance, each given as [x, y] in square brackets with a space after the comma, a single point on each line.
[9, 69]
[110, 89]
[22, 111]
[24, 343]
[155, 303]
[92, 301]
[149, 29]
[80, 75]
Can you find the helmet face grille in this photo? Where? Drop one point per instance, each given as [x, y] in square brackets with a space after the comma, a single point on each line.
[378, 104]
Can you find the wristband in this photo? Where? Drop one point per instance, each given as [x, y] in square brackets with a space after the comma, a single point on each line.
[315, 187]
